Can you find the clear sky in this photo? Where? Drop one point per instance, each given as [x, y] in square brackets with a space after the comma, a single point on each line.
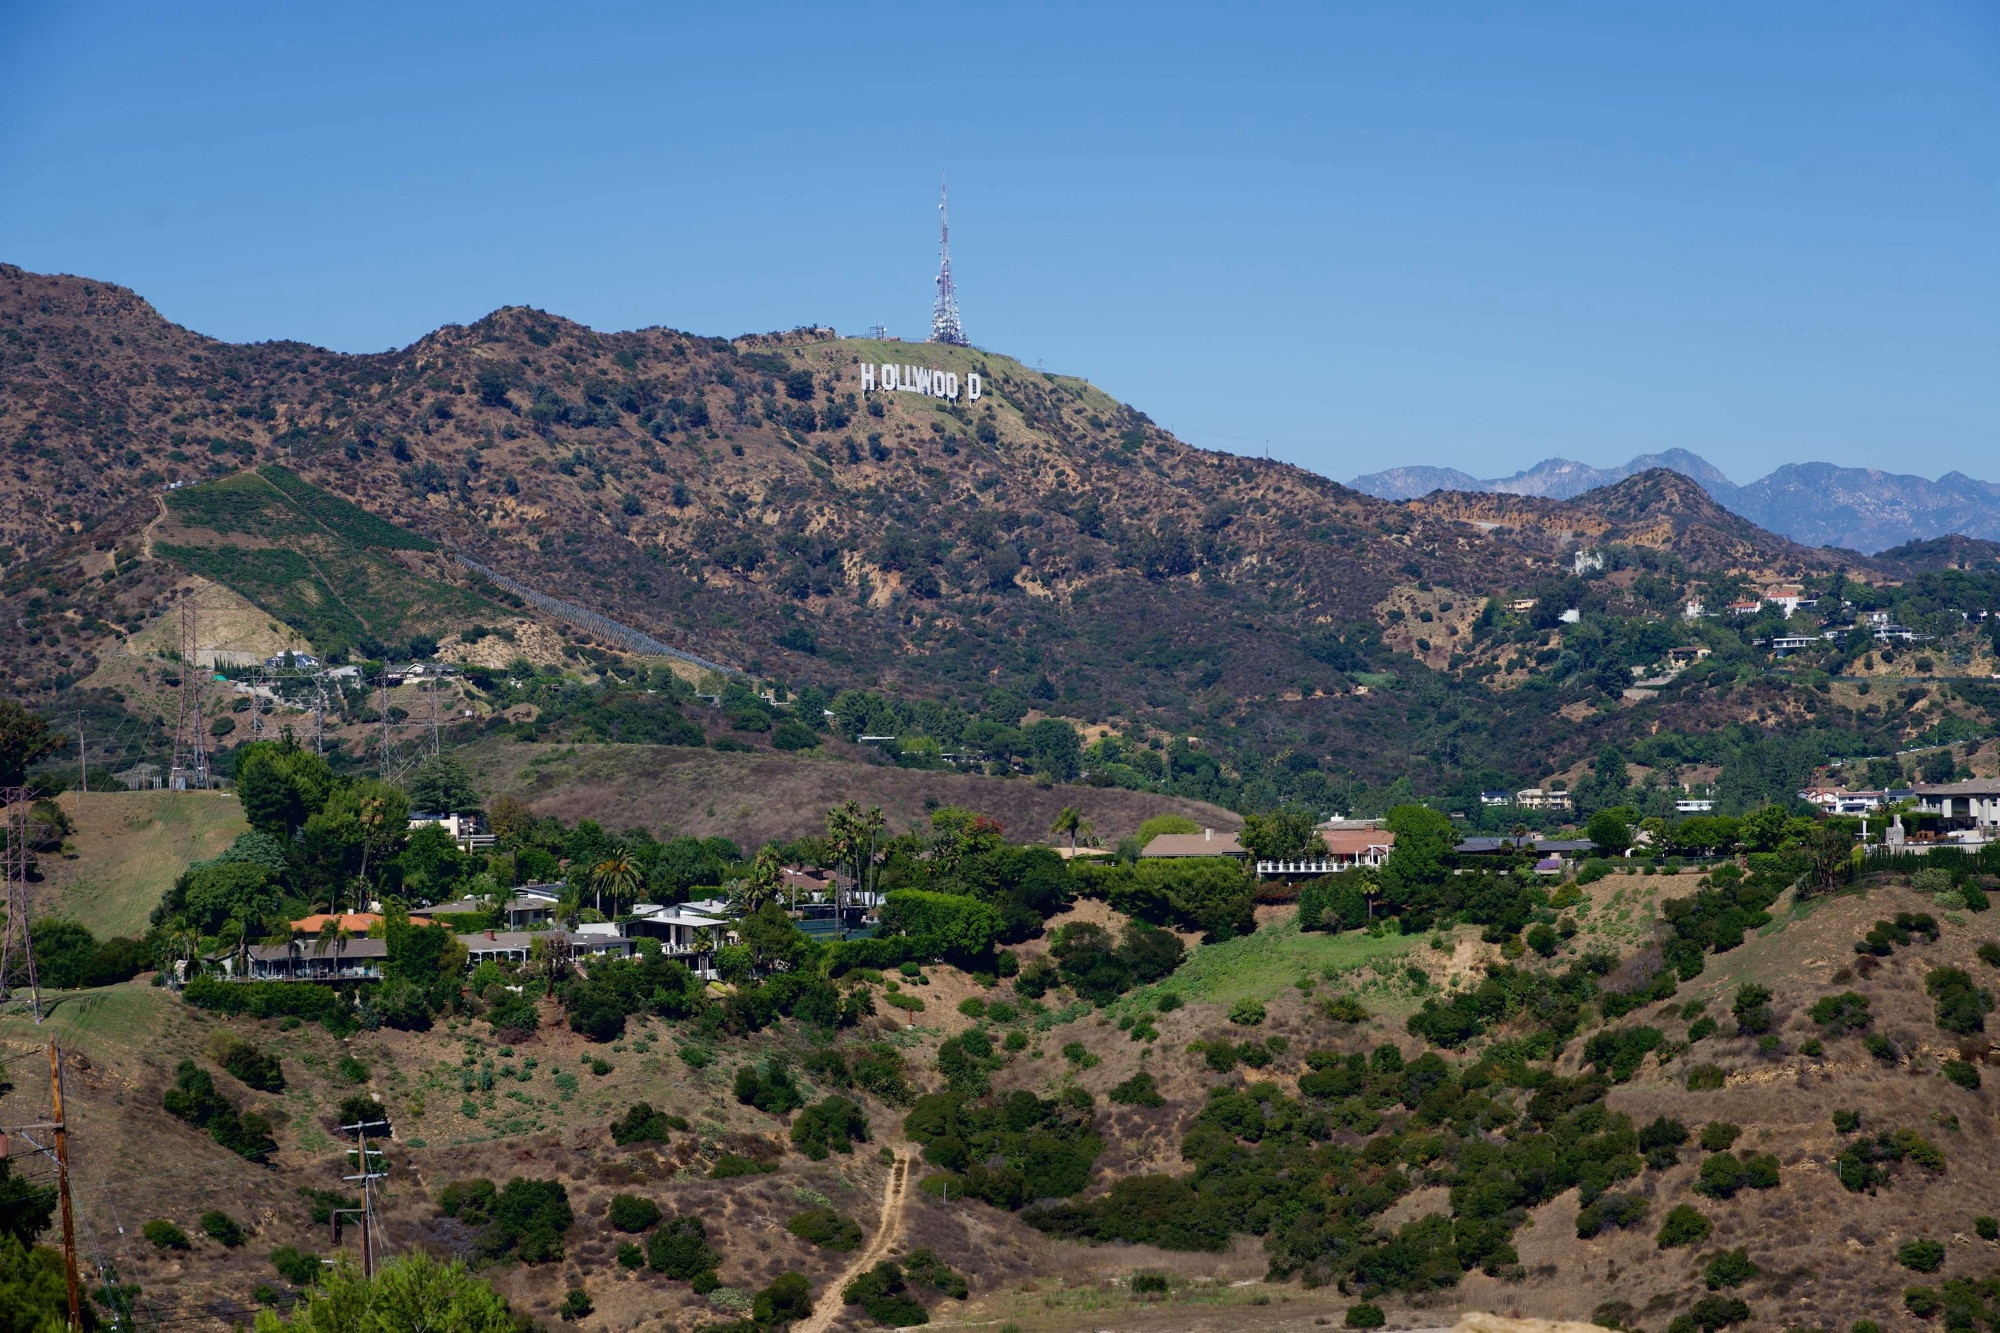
[1356, 234]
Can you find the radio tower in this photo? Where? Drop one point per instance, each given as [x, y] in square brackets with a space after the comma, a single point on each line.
[190, 770]
[944, 315]
[17, 950]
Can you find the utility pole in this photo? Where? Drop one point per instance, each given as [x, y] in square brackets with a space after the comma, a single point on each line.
[382, 706]
[190, 770]
[17, 950]
[319, 713]
[432, 681]
[62, 1184]
[82, 763]
[367, 1179]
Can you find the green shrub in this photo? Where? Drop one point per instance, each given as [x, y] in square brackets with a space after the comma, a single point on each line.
[1149, 1284]
[470, 1201]
[1685, 1225]
[832, 1124]
[1987, 1227]
[731, 1165]
[1961, 1006]
[922, 1267]
[1719, 1136]
[1845, 1012]
[680, 1249]
[1752, 1008]
[972, 1007]
[1138, 1090]
[630, 1213]
[827, 1229]
[247, 1064]
[1610, 1211]
[222, 1228]
[1246, 1013]
[787, 1300]
[575, 1305]
[883, 1295]
[1960, 1072]
[1365, 1314]
[1344, 1009]
[1729, 1268]
[630, 1255]
[642, 1124]
[296, 1266]
[1923, 1255]
[1922, 1301]
[1701, 1027]
[1711, 1313]
[530, 1218]
[1705, 1078]
[1880, 1047]
[165, 1235]
[1846, 1122]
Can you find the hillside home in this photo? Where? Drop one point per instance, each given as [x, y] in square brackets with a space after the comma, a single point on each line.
[1974, 804]
[1205, 843]
[356, 924]
[1746, 607]
[1695, 805]
[1535, 798]
[1346, 849]
[1788, 598]
[1839, 801]
[1496, 798]
[464, 829]
[314, 959]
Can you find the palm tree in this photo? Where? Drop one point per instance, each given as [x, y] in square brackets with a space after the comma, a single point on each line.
[617, 872]
[766, 878]
[1071, 821]
[851, 836]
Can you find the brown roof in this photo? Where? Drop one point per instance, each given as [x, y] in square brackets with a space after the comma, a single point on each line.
[1353, 842]
[1208, 842]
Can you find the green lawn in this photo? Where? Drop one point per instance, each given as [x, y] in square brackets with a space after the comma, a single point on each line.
[1257, 967]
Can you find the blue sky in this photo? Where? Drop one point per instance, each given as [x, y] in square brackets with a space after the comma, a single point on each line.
[1357, 235]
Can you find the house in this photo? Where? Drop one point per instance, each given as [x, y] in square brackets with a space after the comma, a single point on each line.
[1888, 631]
[1534, 798]
[1971, 804]
[1694, 610]
[300, 661]
[808, 881]
[1571, 616]
[1205, 843]
[1789, 598]
[1791, 643]
[1695, 805]
[1521, 605]
[1345, 850]
[1836, 801]
[1746, 607]
[679, 926]
[1691, 653]
[1493, 798]
[464, 829]
[314, 959]
[517, 946]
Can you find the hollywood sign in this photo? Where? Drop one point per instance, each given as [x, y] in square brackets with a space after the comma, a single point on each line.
[888, 378]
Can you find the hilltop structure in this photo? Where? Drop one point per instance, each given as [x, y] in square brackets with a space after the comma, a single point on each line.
[944, 315]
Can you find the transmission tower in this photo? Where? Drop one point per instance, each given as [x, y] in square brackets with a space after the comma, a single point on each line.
[190, 770]
[319, 713]
[17, 951]
[944, 315]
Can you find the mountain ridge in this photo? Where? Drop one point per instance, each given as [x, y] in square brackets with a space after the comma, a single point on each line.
[1816, 504]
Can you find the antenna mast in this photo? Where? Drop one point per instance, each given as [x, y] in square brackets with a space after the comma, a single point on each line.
[944, 315]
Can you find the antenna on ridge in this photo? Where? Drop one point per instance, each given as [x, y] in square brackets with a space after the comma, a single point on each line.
[944, 315]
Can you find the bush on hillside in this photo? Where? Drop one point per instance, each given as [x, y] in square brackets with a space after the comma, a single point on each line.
[223, 1229]
[680, 1249]
[642, 1124]
[832, 1124]
[1685, 1225]
[826, 1228]
[165, 1235]
[629, 1212]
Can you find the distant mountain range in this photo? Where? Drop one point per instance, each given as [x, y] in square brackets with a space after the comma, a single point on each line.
[1817, 504]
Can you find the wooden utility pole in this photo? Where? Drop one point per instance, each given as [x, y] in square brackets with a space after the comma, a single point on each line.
[367, 1177]
[62, 1184]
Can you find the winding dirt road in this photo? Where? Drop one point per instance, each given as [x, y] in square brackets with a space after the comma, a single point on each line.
[827, 1305]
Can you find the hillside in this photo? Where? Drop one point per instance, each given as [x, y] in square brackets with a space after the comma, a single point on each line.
[1414, 1137]
[1042, 549]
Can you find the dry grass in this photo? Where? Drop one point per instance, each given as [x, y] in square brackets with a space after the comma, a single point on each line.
[128, 848]
[754, 798]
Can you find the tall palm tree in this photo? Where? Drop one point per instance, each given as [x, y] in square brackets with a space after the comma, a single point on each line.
[1070, 821]
[762, 885]
[617, 872]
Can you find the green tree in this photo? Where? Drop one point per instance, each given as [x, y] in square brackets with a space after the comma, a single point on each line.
[617, 874]
[1282, 835]
[1053, 749]
[1415, 867]
[1070, 823]
[25, 737]
[441, 785]
[1611, 829]
[409, 1293]
[281, 785]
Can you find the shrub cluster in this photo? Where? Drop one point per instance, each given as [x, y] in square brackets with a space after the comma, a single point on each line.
[1045, 1148]
[1864, 1163]
[193, 1098]
[826, 1228]
[525, 1219]
[1885, 937]
[1961, 1006]
[642, 1124]
[831, 1124]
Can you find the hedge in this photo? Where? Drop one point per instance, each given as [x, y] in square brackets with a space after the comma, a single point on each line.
[269, 999]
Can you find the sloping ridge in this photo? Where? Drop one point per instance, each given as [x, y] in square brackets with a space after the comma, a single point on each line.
[583, 618]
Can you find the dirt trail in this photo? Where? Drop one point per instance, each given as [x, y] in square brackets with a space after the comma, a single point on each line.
[827, 1306]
